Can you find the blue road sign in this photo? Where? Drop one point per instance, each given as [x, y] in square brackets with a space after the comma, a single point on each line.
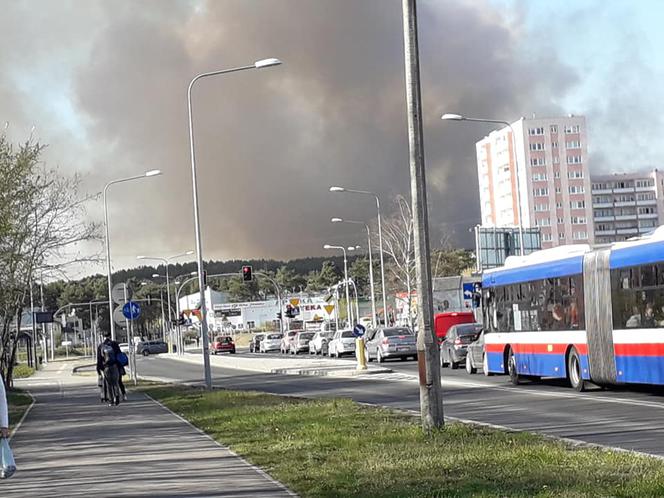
[359, 330]
[131, 310]
[468, 290]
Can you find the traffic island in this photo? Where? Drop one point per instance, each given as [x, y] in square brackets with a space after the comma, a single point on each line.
[336, 447]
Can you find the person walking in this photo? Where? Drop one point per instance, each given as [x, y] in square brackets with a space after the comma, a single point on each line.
[108, 365]
[4, 411]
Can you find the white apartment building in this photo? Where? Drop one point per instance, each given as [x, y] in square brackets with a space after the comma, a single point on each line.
[627, 205]
[553, 181]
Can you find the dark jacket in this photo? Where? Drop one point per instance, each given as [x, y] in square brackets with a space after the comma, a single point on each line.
[100, 358]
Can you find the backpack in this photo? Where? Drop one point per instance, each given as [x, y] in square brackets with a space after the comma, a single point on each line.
[122, 359]
[108, 354]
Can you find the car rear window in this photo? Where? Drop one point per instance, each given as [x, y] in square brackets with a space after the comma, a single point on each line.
[394, 332]
[468, 329]
[307, 335]
[347, 333]
[274, 336]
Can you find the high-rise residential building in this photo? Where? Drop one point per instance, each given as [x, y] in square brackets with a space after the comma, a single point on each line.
[553, 180]
[627, 205]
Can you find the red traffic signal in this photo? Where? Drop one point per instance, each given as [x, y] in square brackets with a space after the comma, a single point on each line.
[246, 273]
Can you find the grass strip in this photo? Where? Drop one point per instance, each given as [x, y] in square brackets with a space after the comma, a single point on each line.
[18, 402]
[335, 447]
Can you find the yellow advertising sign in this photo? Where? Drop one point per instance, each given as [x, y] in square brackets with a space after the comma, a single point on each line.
[294, 301]
[329, 308]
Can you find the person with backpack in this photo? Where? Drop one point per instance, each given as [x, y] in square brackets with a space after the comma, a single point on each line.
[108, 365]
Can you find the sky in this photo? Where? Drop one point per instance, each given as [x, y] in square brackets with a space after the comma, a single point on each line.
[104, 84]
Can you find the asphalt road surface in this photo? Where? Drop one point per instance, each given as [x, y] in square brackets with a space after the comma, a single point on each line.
[629, 418]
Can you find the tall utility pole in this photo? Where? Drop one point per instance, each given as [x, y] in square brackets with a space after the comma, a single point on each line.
[431, 393]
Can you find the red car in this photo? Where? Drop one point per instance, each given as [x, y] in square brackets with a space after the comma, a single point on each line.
[223, 344]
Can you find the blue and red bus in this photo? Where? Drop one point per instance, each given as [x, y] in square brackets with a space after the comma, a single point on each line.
[581, 313]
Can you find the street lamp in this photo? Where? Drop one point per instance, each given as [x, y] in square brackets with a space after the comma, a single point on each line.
[166, 262]
[197, 225]
[380, 240]
[371, 279]
[348, 309]
[459, 117]
[147, 174]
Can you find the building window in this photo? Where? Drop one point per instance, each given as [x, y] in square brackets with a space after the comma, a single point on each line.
[556, 160]
[561, 221]
[578, 220]
[540, 192]
[557, 190]
[559, 205]
[576, 189]
[536, 146]
[577, 204]
[556, 174]
[572, 129]
[539, 177]
[554, 128]
[554, 145]
[539, 208]
[579, 235]
[561, 235]
[573, 144]
[537, 161]
[647, 210]
[574, 174]
[536, 131]
[645, 183]
[573, 159]
[546, 237]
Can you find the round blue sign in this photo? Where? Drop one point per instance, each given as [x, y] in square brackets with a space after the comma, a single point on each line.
[131, 310]
[359, 330]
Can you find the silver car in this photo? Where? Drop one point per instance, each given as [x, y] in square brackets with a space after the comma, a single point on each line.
[384, 343]
[271, 342]
[301, 342]
[318, 345]
[342, 343]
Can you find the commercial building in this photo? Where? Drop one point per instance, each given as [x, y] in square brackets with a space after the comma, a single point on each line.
[627, 205]
[544, 167]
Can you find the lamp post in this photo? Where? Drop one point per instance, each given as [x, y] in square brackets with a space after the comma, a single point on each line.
[459, 117]
[197, 225]
[166, 262]
[147, 174]
[380, 240]
[348, 307]
[371, 279]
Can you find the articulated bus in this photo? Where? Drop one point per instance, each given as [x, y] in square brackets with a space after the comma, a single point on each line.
[578, 313]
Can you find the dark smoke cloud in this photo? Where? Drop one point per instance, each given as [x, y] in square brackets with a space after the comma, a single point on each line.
[270, 142]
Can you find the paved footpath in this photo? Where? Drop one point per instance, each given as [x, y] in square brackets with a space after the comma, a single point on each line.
[71, 445]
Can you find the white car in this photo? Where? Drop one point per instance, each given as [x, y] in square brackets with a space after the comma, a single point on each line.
[318, 345]
[342, 343]
[271, 342]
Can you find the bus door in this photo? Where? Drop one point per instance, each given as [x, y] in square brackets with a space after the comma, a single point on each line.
[599, 317]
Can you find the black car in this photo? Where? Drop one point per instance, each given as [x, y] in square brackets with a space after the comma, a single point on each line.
[454, 347]
[255, 344]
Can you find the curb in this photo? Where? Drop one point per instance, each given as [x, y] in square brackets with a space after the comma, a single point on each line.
[328, 373]
[76, 369]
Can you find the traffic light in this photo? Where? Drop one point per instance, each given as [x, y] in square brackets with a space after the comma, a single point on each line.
[246, 273]
[289, 311]
[279, 316]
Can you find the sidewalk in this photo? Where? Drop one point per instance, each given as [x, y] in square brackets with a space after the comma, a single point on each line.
[72, 445]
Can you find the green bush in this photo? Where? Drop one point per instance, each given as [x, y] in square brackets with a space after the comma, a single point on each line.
[22, 370]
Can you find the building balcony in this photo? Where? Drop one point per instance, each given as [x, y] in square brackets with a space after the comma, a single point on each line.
[604, 218]
[648, 216]
[625, 203]
[626, 217]
[599, 233]
[646, 202]
[652, 188]
[626, 190]
[600, 191]
[602, 204]
[627, 231]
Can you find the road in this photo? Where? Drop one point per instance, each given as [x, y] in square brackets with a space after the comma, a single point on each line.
[631, 419]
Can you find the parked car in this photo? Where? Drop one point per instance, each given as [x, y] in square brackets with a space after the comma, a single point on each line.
[476, 357]
[301, 342]
[254, 345]
[147, 348]
[455, 345]
[385, 343]
[271, 342]
[223, 343]
[318, 343]
[343, 342]
[284, 347]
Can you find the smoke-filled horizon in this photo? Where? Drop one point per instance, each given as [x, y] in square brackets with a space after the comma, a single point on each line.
[104, 84]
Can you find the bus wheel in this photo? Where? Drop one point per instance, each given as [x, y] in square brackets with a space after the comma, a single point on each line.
[511, 368]
[574, 371]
